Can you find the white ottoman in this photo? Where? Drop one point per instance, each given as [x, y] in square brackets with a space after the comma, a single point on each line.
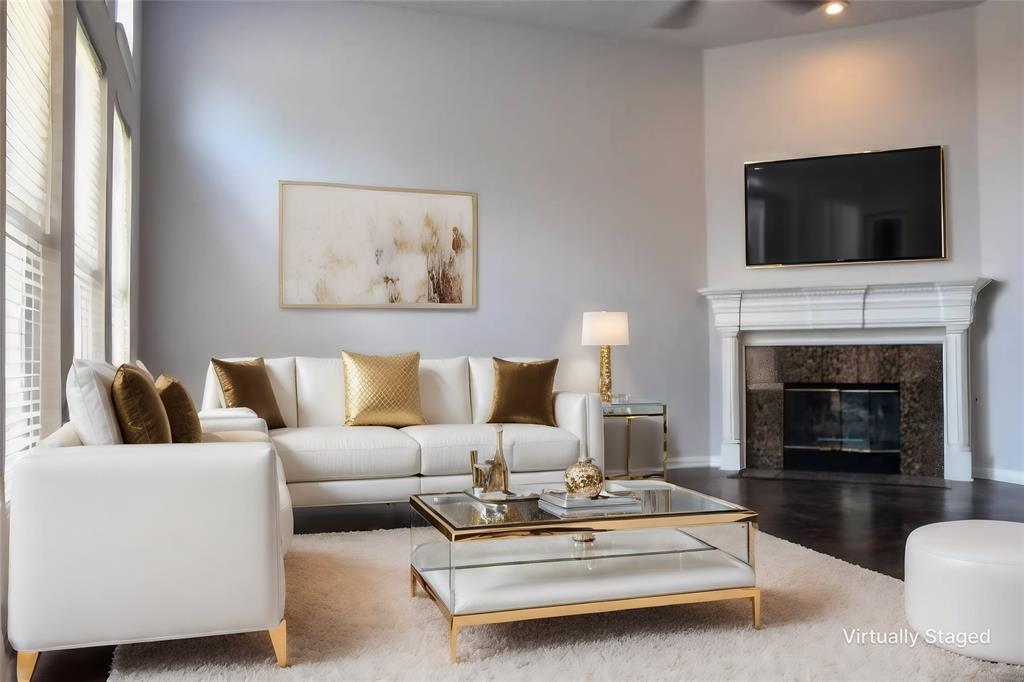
[965, 588]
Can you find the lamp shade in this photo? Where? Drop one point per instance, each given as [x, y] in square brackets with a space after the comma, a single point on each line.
[605, 329]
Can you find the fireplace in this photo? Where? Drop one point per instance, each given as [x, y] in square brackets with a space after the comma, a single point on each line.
[845, 408]
[927, 325]
[841, 427]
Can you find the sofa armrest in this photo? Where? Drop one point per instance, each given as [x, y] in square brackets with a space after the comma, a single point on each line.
[231, 419]
[129, 543]
[228, 413]
[580, 414]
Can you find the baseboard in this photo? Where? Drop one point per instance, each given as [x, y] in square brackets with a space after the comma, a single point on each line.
[1004, 475]
[691, 462]
[684, 462]
[636, 471]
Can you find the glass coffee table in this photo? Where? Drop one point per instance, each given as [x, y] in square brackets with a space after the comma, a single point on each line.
[483, 563]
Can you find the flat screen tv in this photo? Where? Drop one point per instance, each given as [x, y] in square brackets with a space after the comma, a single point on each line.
[850, 208]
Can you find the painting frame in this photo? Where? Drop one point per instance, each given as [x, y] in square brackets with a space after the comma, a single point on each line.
[471, 304]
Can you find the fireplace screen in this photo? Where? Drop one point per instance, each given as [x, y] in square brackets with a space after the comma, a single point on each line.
[851, 427]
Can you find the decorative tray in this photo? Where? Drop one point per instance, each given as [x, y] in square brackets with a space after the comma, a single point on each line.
[498, 498]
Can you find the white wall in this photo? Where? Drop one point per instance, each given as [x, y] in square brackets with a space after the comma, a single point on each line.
[586, 154]
[999, 329]
[897, 84]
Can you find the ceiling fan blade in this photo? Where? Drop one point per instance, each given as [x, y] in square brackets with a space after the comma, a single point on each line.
[798, 6]
[682, 15]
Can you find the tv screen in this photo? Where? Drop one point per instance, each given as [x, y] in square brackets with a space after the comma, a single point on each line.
[875, 206]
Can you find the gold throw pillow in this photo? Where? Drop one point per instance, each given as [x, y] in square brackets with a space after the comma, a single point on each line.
[181, 411]
[523, 392]
[246, 384]
[382, 390]
[140, 412]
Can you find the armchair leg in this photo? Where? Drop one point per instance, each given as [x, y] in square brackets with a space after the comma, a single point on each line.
[26, 665]
[279, 638]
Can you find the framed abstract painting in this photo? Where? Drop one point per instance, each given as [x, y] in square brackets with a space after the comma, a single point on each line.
[353, 246]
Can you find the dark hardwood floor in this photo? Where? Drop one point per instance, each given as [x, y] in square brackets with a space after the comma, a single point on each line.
[864, 523]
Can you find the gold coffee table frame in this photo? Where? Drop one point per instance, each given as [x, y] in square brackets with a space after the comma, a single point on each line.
[582, 527]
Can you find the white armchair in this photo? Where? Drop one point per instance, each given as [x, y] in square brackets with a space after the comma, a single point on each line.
[133, 543]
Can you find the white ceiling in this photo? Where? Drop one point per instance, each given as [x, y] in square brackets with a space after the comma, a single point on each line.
[720, 22]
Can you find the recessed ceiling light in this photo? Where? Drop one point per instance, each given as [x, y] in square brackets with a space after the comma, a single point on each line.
[835, 7]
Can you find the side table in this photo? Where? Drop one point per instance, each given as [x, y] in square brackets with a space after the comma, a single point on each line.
[638, 410]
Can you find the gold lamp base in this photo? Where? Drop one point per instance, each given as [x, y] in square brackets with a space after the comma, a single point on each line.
[605, 382]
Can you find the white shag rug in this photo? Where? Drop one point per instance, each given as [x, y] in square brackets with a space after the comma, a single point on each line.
[350, 617]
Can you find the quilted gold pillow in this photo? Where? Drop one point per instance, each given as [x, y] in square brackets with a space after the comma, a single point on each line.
[382, 390]
[140, 412]
[523, 392]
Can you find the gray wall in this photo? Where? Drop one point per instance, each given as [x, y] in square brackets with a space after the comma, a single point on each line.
[896, 84]
[586, 154]
[999, 328]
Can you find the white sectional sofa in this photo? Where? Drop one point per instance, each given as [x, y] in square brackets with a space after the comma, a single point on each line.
[187, 540]
[327, 463]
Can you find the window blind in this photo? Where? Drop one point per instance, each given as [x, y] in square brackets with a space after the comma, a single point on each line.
[90, 195]
[31, 243]
[23, 338]
[120, 243]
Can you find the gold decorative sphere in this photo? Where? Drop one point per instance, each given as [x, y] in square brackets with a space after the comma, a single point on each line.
[584, 478]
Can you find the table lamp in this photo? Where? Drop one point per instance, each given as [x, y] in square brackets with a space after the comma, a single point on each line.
[606, 329]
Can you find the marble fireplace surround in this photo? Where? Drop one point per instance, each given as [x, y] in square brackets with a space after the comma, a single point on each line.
[867, 314]
[915, 370]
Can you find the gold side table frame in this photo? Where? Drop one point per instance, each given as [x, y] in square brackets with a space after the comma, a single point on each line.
[630, 412]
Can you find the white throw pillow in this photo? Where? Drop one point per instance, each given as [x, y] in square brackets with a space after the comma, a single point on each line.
[90, 406]
[142, 366]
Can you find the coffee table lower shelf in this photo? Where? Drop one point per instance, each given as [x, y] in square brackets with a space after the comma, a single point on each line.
[455, 622]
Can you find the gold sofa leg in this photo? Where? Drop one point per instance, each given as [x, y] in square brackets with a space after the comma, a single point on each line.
[279, 638]
[26, 664]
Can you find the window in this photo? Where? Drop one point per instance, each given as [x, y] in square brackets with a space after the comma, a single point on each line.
[124, 14]
[31, 226]
[120, 243]
[90, 195]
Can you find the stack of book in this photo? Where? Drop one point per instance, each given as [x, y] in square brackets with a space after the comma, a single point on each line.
[561, 503]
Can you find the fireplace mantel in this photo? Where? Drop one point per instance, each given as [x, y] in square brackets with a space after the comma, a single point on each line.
[850, 313]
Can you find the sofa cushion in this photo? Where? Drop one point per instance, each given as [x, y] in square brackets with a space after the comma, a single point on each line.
[247, 384]
[444, 390]
[481, 385]
[444, 448]
[181, 411]
[382, 390]
[140, 412]
[280, 371]
[320, 386]
[90, 405]
[524, 392]
[540, 448]
[329, 453]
